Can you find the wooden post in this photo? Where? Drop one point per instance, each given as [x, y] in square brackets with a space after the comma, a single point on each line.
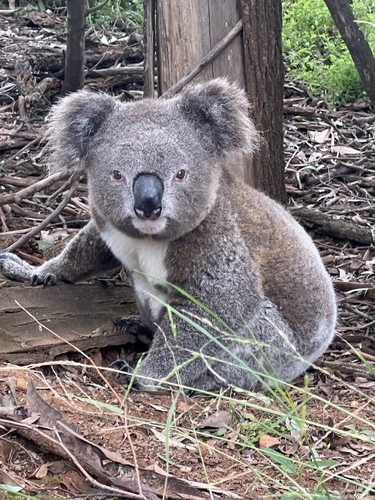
[187, 31]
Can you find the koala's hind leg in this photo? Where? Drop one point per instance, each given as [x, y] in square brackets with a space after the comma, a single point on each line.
[85, 257]
[135, 326]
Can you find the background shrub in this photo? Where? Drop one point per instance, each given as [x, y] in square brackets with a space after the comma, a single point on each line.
[315, 52]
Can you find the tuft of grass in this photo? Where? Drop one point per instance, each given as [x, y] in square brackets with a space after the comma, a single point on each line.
[120, 12]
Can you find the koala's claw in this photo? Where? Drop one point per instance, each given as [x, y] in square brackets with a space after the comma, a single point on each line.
[125, 373]
[135, 326]
[17, 269]
[46, 280]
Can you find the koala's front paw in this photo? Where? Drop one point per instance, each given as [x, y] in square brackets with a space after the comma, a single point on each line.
[15, 268]
[125, 373]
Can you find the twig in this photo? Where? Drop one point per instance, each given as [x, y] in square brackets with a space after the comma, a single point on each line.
[3, 221]
[364, 355]
[349, 286]
[358, 463]
[16, 231]
[58, 191]
[355, 311]
[126, 494]
[48, 219]
[10, 12]
[18, 153]
[34, 188]
[15, 181]
[127, 432]
[212, 54]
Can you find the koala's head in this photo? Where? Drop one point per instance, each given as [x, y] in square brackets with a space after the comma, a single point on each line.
[153, 166]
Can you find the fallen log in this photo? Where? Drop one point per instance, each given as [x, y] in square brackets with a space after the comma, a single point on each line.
[367, 289]
[334, 225]
[80, 314]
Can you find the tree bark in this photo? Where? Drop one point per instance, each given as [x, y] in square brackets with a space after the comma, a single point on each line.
[264, 80]
[358, 46]
[75, 46]
[149, 48]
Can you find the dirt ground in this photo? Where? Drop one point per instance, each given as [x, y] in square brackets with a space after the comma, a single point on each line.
[217, 445]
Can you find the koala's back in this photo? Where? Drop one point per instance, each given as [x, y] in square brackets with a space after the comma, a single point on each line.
[292, 272]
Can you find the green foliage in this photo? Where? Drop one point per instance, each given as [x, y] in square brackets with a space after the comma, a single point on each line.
[117, 12]
[315, 52]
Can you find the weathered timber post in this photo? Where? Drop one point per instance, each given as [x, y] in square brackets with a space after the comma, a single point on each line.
[187, 31]
[203, 39]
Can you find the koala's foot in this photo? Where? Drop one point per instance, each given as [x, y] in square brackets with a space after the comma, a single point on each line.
[17, 269]
[135, 326]
[125, 373]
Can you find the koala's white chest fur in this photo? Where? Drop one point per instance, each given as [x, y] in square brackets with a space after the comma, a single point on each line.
[146, 256]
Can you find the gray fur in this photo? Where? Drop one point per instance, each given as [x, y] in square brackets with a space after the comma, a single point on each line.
[232, 248]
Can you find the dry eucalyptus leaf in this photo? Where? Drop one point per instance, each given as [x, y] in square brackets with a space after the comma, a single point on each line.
[267, 441]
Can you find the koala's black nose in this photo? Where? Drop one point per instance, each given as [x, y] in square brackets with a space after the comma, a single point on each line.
[148, 193]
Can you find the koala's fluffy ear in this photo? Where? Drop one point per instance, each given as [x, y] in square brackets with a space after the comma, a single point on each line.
[219, 111]
[71, 125]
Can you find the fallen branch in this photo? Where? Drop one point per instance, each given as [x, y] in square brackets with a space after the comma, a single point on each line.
[44, 425]
[349, 286]
[121, 71]
[74, 311]
[47, 220]
[56, 438]
[34, 188]
[334, 226]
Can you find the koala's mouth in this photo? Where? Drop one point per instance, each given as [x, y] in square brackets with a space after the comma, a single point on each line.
[146, 226]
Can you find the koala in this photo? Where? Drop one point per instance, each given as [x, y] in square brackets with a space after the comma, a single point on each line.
[229, 286]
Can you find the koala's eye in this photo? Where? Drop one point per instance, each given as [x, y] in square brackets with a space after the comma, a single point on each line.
[117, 175]
[181, 174]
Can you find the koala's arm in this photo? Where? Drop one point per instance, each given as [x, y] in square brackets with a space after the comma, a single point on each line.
[85, 256]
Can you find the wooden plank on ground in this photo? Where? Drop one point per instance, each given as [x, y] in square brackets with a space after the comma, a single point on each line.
[81, 314]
